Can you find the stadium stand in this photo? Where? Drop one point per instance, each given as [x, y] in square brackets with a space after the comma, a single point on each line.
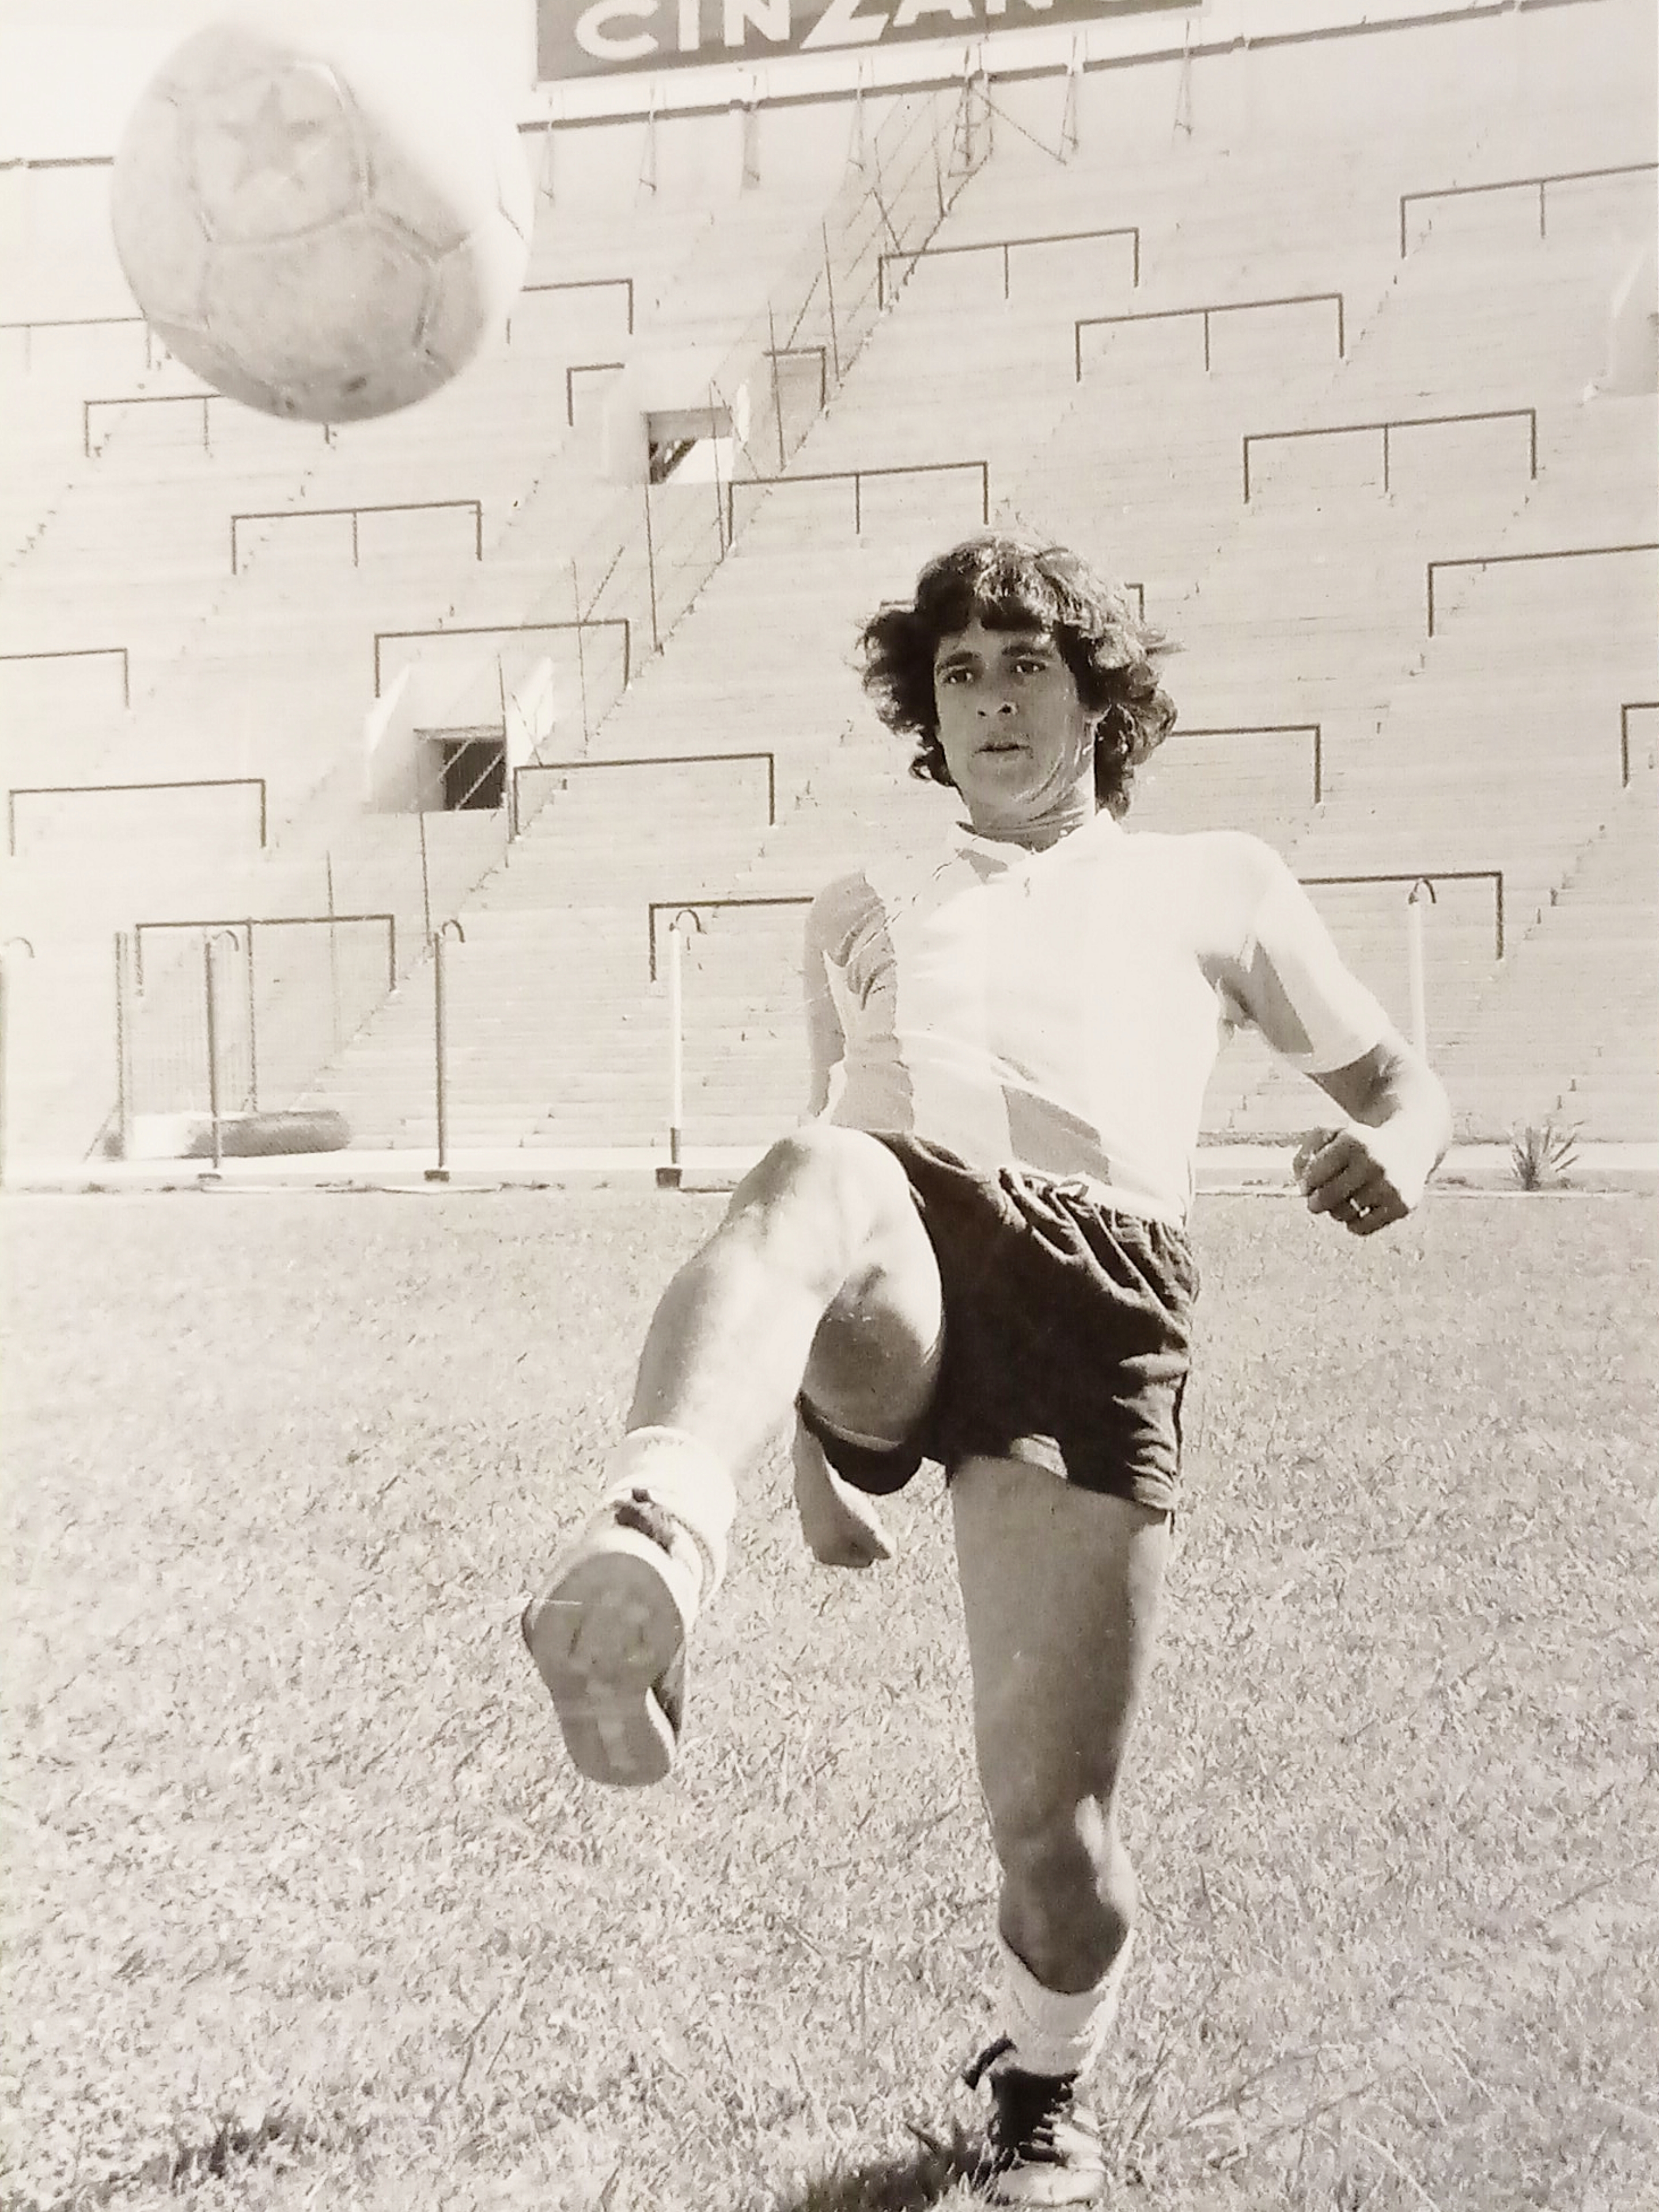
[1100, 346]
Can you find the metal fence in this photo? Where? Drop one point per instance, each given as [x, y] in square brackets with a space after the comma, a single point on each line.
[288, 993]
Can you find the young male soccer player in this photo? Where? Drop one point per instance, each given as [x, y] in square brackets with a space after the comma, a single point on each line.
[975, 1252]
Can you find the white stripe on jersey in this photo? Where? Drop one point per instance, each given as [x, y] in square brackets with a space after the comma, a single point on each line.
[1061, 1010]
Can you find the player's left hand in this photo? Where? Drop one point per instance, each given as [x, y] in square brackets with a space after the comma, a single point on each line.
[1366, 1179]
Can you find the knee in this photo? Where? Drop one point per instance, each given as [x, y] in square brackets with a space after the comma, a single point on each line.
[803, 1205]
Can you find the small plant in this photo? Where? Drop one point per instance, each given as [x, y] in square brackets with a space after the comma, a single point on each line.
[1542, 1153]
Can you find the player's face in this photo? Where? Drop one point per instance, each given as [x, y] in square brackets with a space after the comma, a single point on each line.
[1016, 740]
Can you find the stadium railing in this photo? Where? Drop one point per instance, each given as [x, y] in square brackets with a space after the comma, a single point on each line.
[1541, 184]
[84, 652]
[579, 624]
[1008, 247]
[575, 368]
[473, 507]
[858, 478]
[1270, 730]
[1513, 560]
[82, 323]
[1431, 878]
[248, 923]
[104, 790]
[820, 353]
[271, 1037]
[200, 400]
[624, 285]
[205, 400]
[1631, 706]
[1207, 309]
[699, 907]
[1527, 415]
[650, 761]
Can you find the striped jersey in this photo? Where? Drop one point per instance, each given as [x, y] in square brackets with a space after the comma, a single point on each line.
[1061, 1010]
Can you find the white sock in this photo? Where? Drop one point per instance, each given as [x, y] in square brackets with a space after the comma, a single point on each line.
[681, 1475]
[1054, 2032]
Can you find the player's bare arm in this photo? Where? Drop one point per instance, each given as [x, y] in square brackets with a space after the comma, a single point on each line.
[1371, 1172]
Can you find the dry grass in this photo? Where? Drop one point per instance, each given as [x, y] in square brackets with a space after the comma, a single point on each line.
[304, 1908]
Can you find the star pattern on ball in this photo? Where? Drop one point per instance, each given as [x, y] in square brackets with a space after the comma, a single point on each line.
[273, 142]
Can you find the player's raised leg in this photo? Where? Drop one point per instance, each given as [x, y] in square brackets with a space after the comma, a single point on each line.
[1060, 1590]
[820, 1272]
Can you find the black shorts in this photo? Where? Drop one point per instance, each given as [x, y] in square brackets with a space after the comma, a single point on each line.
[1067, 1333]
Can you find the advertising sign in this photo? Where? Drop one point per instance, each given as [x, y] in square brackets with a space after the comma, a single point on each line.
[604, 38]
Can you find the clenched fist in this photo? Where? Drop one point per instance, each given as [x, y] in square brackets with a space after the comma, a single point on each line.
[1366, 1179]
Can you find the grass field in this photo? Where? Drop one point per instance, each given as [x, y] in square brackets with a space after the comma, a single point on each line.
[304, 1908]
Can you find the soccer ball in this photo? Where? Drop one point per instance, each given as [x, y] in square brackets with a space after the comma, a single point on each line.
[321, 227]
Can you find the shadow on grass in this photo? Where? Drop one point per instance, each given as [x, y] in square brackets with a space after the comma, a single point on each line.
[907, 2181]
[225, 2154]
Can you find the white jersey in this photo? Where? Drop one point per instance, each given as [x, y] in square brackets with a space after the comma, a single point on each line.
[1061, 1010]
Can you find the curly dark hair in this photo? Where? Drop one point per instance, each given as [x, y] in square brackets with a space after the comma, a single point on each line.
[1014, 582]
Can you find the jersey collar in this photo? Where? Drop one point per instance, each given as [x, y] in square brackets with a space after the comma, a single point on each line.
[1101, 829]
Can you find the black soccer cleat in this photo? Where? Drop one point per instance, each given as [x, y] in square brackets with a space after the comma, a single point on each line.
[1042, 2146]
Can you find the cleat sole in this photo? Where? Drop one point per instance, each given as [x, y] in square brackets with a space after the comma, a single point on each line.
[603, 1638]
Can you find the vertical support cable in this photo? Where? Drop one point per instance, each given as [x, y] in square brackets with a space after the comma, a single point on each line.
[581, 652]
[426, 877]
[777, 393]
[650, 578]
[714, 447]
[829, 295]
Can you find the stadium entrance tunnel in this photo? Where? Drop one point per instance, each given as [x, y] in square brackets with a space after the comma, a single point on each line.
[474, 773]
[694, 443]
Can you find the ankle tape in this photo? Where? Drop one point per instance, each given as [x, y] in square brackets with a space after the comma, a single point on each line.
[678, 1472]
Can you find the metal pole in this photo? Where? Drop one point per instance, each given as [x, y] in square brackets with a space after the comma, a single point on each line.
[668, 1178]
[675, 1046]
[252, 1031]
[1414, 962]
[440, 1046]
[212, 977]
[123, 1045]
